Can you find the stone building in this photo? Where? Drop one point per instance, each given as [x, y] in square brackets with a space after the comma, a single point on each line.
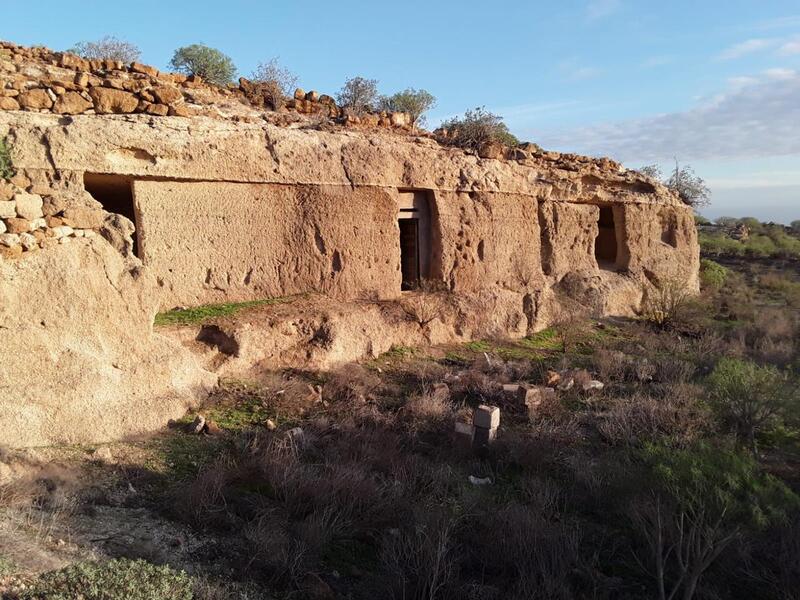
[156, 191]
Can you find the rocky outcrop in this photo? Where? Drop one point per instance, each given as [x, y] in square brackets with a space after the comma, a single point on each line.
[80, 361]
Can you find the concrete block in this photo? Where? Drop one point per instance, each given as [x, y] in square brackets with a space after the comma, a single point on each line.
[483, 437]
[486, 416]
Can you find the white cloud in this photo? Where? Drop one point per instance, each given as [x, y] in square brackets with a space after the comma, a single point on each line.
[740, 82]
[790, 47]
[779, 73]
[657, 61]
[761, 119]
[744, 48]
[571, 70]
[599, 9]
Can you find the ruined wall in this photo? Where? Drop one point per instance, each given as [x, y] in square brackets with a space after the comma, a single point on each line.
[136, 191]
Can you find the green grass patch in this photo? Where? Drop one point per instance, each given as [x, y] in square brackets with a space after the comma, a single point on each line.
[201, 314]
[478, 346]
[546, 339]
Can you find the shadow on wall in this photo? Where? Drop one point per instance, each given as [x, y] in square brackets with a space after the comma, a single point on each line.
[115, 193]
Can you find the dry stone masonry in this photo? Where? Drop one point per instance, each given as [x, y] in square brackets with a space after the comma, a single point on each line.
[136, 191]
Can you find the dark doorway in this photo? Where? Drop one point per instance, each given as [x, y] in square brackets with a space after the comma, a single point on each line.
[115, 193]
[409, 253]
[605, 246]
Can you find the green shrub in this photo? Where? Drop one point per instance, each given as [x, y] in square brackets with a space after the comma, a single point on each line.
[712, 274]
[208, 63]
[475, 129]
[700, 500]
[119, 579]
[6, 167]
[748, 396]
[414, 102]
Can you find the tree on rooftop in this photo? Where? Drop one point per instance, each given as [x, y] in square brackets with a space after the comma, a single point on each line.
[203, 61]
[414, 102]
[358, 95]
[107, 48]
[272, 72]
[691, 188]
[476, 128]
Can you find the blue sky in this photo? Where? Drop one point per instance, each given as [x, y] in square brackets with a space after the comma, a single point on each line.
[715, 83]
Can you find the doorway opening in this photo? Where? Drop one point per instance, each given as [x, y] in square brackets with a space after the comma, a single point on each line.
[409, 253]
[416, 238]
[115, 193]
[605, 245]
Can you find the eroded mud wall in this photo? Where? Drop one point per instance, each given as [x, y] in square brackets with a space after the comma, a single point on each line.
[215, 241]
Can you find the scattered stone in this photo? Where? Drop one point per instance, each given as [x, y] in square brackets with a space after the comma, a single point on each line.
[81, 79]
[552, 379]
[28, 206]
[62, 232]
[144, 69]
[593, 384]
[299, 94]
[83, 217]
[71, 103]
[36, 98]
[270, 424]
[28, 241]
[167, 95]
[103, 454]
[8, 209]
[3, 228]
[211, 428]
[18, 225]
[8, 103]
[9, 239]
[197, 425]
[480, 480]
[111, 101]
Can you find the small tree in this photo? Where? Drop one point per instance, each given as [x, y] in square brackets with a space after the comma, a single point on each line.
[748, 396]
[208, 63]
[107, 48]
[689, 187]
[683, 181]
[476, 128]
[358, 95]
[414, 102]
[701, 499]
[272, 72]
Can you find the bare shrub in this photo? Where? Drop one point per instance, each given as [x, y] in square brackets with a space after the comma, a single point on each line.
[641, 418]
[272, 72]
[420, 561]
[358, 95]
[429, 405]
[109, 48]
[424, 308]
[351, 384]
[535, 555]
[665, 303]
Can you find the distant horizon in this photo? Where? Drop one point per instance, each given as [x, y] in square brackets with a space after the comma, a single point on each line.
[642, 84]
